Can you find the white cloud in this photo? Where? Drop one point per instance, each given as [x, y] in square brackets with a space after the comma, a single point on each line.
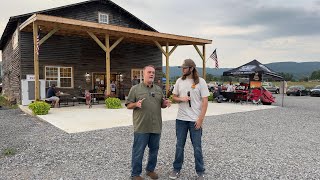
[269, 31]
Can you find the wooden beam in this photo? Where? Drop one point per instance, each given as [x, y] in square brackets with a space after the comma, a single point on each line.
[160, 47]
[29, 21]
[77, 27]
[196, 47]
[48, 35]
[36, 62]
[173, 50]
[128, 31]
[94, 37]
[204, 72]
[107, 39]
[116, 43]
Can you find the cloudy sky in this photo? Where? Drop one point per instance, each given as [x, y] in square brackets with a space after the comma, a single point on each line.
[269, 31]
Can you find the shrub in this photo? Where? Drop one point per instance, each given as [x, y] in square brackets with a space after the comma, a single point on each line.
[39, 108]
[210, 98]
[171, 99]
[113, 103]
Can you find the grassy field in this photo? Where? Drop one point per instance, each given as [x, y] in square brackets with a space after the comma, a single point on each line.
[308, 85]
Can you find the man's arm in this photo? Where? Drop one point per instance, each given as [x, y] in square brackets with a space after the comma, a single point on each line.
[137, 104]
[132, 105]
[204, 106]
[180, 99]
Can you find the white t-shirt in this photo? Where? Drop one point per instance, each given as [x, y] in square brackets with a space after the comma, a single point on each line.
[181, 89]
[230, 88]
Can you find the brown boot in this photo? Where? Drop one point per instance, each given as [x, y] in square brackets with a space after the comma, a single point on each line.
[137, 178]
[152, 175]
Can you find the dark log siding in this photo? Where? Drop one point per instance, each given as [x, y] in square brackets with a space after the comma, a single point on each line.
[11, 72]
[84, 55]
[89, 12]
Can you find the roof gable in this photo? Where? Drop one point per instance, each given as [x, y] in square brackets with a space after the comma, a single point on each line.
[13, 21]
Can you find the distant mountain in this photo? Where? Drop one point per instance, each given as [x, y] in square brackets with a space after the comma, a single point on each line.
[297, 69]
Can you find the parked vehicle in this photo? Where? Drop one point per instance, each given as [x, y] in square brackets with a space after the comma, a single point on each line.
[271, 87]
[0, 88]
[315, 91]
[297, 91]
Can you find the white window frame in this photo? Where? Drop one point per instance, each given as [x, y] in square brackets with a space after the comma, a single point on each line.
[140, 77]
[100, 18]
[58, 80]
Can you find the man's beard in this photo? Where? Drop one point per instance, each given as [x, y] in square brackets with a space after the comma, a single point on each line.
[187, 73]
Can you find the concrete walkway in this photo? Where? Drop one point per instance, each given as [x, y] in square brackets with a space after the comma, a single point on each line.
[80, 118]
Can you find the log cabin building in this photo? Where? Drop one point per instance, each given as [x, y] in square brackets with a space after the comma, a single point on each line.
[83, 46]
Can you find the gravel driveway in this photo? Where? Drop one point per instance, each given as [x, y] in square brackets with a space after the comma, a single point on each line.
[279, 143]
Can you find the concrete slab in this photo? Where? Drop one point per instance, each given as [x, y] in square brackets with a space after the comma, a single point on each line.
[80, 118]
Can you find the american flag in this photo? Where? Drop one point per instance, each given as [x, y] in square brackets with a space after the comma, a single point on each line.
[215, 58]
[38, 43]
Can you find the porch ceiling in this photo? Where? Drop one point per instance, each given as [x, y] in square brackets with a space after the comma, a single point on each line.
[71, 27]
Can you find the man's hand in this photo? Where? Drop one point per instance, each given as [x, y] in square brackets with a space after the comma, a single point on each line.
[139, 103]
[198, 124]
[184, 99]
[166, 103]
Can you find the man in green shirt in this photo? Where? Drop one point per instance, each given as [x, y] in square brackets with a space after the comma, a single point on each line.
[146, 100]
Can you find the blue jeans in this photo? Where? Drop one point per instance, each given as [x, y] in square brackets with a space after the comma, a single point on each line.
[141, 140]
[182, 128]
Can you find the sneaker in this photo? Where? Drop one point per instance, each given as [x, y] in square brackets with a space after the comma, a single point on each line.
[137, 178]
[200, 176]
[152, 175]
[174, 174]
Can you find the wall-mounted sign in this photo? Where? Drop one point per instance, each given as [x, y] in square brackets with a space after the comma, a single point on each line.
[30, 77]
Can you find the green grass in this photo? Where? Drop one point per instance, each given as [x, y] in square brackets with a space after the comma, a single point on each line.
[5, 103]
[9, 152]
[307, 85]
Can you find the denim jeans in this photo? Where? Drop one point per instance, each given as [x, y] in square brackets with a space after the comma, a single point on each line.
[141, 140]
[182, 128]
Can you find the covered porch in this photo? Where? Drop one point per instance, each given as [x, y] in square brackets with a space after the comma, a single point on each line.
[103, 35]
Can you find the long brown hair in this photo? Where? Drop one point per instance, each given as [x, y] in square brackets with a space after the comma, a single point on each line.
[195, 75]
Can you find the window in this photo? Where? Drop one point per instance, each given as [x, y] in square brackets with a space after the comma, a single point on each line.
[61, 76]
[138, 73]
[103, 18]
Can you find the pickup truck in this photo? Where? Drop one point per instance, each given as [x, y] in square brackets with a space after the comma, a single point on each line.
[271, 87]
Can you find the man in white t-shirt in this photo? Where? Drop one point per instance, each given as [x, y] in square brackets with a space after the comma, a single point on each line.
[230, 87]
[191, 92]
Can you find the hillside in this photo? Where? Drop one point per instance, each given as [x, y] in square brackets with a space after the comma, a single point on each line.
[297, 69]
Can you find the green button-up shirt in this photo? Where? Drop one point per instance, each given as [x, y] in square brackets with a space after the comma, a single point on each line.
[146, 119]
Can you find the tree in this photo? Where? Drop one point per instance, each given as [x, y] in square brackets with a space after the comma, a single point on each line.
[210, 77]
[225, 78]
[287, 76]
[315, 75]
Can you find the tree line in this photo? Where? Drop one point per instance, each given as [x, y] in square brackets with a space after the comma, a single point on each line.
[315, 75]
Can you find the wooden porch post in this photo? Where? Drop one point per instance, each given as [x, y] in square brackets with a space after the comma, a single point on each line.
[107, 49]
[167, 69]
[108, 63]
[36, 62]
[167, 54]
[203, 56]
